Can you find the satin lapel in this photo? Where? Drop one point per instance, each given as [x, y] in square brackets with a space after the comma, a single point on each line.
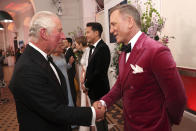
[136, 53]
[63, 84]
[122, 64]
[40, 60]
[95, 50]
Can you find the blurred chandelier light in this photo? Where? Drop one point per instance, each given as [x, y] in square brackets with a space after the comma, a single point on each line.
[1, 27]
[5, 17]
[58, 5]
[59, 8]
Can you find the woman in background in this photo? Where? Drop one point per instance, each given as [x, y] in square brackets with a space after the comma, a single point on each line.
[59, 60]
[81, 45]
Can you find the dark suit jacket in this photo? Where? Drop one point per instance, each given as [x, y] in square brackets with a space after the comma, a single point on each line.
[153, 99]
[71, 73]
[40, 99]
[96, 80]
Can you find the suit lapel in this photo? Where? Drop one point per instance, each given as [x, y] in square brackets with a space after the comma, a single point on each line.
[43, 63]
[95, 50]
[122, 59]
[63, 83]
[136, 53]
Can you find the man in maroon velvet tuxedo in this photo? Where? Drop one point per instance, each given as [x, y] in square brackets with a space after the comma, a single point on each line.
[148, 83]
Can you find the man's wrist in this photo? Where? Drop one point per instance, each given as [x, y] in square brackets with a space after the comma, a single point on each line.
[93, 116]
[103, 104]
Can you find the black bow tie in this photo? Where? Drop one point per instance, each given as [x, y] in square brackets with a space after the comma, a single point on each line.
[91, 47]
[50, 58]
[126, 48]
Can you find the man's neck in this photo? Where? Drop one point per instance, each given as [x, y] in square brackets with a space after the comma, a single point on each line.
[132, 33]
[41, 47]
[96, 39]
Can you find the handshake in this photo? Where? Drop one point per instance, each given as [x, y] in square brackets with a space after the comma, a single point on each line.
[100, 110]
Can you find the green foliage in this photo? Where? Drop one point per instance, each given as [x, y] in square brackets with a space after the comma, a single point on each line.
[76, 33]
[148, 15]
[115, 58]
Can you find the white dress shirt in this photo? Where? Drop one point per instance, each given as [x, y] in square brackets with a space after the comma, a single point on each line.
[95, 44]
[133, 41]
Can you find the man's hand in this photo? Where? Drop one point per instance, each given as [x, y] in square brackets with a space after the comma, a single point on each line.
[97, 105]
[100, 110]
[82, 80]
[84, 89]
[71, 60]
[100, 113]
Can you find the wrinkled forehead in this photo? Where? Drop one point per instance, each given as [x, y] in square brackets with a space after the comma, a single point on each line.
[114, 15]
[58, 24]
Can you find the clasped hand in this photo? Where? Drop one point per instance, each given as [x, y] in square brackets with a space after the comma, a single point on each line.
[100, 110]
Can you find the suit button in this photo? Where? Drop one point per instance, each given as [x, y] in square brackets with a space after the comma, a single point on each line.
[131, 87]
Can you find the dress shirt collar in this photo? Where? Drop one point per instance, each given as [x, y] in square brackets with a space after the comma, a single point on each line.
[95, 44]
[134, 39]
[68, 48]
[39, 50]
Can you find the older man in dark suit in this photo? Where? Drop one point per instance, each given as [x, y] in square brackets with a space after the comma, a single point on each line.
[39, 87]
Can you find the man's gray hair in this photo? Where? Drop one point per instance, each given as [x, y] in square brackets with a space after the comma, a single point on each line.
[129, 10]
[42, 19]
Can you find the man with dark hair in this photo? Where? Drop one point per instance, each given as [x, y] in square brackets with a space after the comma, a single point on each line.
[72, 71]
[96, 81]
[95, 27]
[69, 40]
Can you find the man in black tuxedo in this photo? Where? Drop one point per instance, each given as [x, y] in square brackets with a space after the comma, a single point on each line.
[72, 71]
[39, 87]
[96, 81]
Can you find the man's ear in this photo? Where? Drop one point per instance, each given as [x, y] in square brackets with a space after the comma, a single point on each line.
[97, 33]
[130, 21]
[43, 34]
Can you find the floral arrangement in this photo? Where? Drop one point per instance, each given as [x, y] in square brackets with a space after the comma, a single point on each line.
[78, 55]
[152, 22]
[115, 58]
[77, 33]
[152, 25]
[165, 39]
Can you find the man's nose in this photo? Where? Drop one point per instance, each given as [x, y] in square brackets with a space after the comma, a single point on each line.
[63, 35]
[111, 30]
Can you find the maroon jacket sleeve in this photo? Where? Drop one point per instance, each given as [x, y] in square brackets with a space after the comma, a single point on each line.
[113, 95]
[164, 69]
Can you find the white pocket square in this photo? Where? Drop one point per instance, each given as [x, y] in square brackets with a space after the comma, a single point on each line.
[136, 69]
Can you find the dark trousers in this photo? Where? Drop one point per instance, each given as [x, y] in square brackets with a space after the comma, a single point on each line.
[1, 72]
[101, 125]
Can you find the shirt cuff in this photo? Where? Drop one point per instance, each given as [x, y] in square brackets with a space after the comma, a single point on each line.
[103, 103]
[93, 116]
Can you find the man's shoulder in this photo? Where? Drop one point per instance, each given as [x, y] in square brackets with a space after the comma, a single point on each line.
[150, 43]
[103, 44]
[69, 51]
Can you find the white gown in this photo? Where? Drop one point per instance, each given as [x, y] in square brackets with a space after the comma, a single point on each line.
[84, 98]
